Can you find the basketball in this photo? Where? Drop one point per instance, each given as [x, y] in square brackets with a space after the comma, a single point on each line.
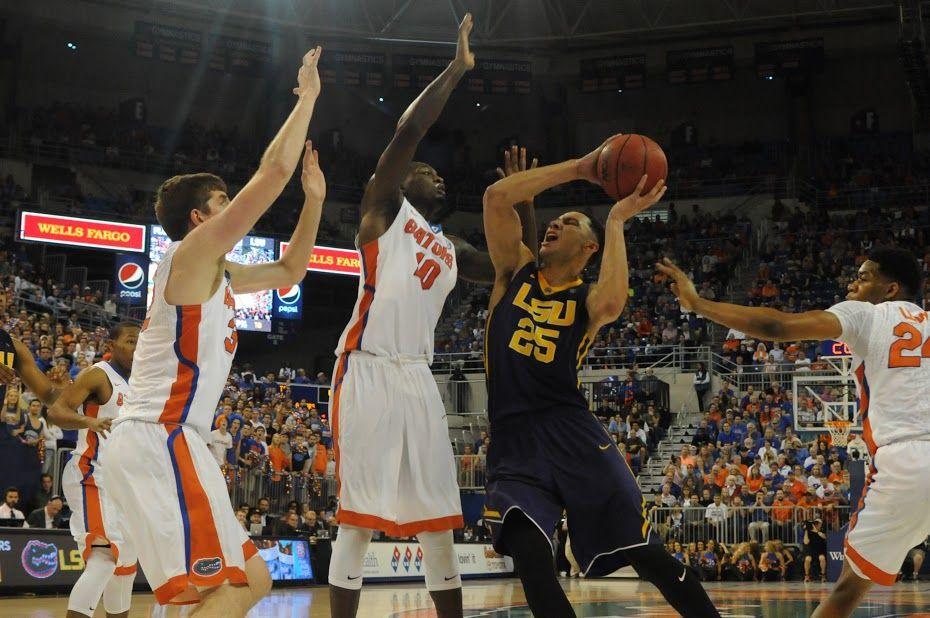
[623, 161]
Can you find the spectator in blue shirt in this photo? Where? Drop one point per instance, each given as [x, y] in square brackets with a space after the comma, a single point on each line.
[739, 428]
[726, 436]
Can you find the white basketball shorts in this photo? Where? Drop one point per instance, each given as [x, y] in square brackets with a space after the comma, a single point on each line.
[394, 461]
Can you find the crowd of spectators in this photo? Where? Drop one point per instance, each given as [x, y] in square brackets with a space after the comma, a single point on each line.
[748, 479]
[707, 246]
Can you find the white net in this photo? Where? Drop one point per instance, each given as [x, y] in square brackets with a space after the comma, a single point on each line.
[839, 431]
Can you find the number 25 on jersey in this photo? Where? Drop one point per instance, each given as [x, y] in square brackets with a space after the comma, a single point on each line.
[909, 338]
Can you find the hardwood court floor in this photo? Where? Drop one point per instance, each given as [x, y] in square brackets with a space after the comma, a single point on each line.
[504, 599]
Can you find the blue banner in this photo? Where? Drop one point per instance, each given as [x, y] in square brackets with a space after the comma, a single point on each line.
[131, 275]
[289, 303]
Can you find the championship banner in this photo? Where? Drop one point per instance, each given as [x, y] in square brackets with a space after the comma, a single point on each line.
[288, 303]
[786, 58]
[613, 73]
[412, 71]
[167, 43]
[131, 274]
[80, 232]
[332, 260]
[350, 68]
[404, 561]
[693, 66]
[500, 77]
[236, 55]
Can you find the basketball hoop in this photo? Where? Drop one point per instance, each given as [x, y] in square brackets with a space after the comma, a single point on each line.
[839, 431]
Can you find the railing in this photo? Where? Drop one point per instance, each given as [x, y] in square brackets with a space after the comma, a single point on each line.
[746, 523]
[743, 376]
[472, 472]
[683, 358]
[249, 485]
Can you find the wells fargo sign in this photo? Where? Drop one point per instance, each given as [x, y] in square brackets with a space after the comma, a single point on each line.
[332, 260]
[79, 232]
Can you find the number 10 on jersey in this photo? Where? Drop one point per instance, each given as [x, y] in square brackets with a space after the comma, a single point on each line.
[427, 270]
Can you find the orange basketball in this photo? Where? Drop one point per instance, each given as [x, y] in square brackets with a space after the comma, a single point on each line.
[624, 159]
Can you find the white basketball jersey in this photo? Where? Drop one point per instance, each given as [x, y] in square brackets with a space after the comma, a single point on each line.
[407, 274]
[183, 356]
[890, 343]
[88, 442]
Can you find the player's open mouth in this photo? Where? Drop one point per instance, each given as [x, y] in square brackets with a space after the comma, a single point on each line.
[550, 237]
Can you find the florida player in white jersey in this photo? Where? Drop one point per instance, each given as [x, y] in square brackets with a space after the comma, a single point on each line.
[889, 336]
[90, 404]
[394, 461]
[162, 475]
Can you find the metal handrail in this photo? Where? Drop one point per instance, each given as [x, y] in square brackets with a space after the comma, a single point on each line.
[679, 357]
[743, 524]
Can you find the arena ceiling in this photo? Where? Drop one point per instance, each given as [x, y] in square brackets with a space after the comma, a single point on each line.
[536, 24]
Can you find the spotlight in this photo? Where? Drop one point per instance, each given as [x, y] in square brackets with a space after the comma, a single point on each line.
[72, 46]
[380, 99]
[620, 91]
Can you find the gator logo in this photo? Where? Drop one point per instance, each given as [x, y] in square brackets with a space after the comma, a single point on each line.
[205, 567]
[40, 559]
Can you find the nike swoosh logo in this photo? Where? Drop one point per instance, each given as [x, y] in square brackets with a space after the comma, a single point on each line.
[604, 448]
[451, 578]
[683, 573]
[350, 578]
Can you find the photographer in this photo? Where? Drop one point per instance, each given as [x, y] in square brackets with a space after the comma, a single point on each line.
[815, 546]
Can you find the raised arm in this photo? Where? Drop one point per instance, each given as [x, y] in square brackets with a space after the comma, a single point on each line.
[475, 265]
[90, 383]
[24, 365]
[382, 196]
[194, 267]
[608, 296]
[291, 268]
[502, 223]
[514, 163]
[758, 322]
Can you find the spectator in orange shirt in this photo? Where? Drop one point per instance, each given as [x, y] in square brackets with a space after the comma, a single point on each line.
[769, 290]
[782, 508]
[317, 454]
[755, 479]
[279, 460]
[838, 476]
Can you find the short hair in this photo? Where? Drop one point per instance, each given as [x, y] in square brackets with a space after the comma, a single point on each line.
[117, 331]
[178, 196]
[900, 266]
[597, 228]
[9, 489]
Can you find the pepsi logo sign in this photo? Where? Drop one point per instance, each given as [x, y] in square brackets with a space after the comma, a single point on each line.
[289, 296]
[131, 275]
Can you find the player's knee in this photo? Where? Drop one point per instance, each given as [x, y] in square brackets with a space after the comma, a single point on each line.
[345, 567]
[117, 596]
[441, 566]
[259, 578]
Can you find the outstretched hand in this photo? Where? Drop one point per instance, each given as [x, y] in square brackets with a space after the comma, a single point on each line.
[463, 55]
[682, 286]
[515, 162]
[311, 177]
[308, 77]
[636, 202]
